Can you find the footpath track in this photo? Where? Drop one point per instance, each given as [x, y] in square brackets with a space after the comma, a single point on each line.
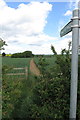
[33, 68]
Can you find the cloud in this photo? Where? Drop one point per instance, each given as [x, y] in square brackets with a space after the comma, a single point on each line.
[73, 4]
[68, 13]
[76, 3]
[24, 26]
[29, 19]
[62, 43]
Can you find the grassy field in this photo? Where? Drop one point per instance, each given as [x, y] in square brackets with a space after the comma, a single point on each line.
[16, 62]
[50, 60]
[12, 63]
[17, 89]
[25, 62]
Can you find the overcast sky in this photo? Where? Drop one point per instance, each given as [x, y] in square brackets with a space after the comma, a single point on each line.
[34, 26]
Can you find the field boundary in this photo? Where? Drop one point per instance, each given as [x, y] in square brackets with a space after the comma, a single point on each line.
[18, 68]
[23, 73]
[16, 74]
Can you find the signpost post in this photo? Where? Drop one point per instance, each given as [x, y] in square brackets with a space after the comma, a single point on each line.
[73, 26]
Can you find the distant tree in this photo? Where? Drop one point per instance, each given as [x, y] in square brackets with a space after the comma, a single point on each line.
[3, 54]
[25, 54]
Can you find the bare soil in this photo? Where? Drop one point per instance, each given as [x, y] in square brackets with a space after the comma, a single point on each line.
[34, 69]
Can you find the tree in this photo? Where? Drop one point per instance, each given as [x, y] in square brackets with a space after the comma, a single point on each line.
[3, 54]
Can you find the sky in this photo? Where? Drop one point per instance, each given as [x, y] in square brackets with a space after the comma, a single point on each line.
[34, 26]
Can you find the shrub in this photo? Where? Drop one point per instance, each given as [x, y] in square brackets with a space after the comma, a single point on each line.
[51, 95]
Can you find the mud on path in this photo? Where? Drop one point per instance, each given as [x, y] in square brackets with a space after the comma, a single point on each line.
[33, 68]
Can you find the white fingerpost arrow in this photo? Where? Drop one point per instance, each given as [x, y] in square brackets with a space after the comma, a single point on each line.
[66, 29]
[74, 26]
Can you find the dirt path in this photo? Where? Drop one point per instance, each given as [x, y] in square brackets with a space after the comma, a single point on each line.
[33, 68]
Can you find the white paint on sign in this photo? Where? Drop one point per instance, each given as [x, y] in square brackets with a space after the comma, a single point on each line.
[66, 29]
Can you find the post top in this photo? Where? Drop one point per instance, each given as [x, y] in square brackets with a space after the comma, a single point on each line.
[79, 4]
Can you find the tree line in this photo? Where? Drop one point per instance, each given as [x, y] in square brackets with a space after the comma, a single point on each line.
[25, 54]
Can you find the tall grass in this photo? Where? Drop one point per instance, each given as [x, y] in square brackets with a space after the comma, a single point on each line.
[15, 87]
[16, 62]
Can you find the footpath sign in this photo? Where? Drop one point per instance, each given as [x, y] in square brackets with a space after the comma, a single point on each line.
[74, 26]
[66, 29]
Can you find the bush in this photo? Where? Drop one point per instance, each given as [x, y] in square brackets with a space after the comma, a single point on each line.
[51, 95]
